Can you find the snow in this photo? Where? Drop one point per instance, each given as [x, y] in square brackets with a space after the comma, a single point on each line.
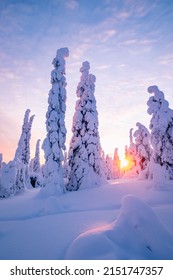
[125, 219]
[136, 233]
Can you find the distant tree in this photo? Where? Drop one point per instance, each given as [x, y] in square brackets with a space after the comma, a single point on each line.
[84, 155]
[109, 168]
[116, 164]
[102, 163]
[1, 159]
[130, 155]
[161, 126]
[65, 165]
[54, 143]
[35, 167]
[35, 162]
[143, 147]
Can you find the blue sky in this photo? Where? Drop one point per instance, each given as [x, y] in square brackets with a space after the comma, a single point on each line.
[129, 46]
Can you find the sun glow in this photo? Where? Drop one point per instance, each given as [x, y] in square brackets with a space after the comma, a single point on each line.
[127, 163]
[124, 163]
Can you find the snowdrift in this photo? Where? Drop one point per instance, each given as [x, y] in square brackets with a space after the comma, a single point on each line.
[136, 234]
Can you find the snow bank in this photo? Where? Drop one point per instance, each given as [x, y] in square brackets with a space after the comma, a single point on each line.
[159, 175]
[52, 205]
[136, 234]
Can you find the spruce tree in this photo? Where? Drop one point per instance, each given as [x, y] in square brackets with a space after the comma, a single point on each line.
[116, 164]
[35, 162]
[35, 168]
[161, 126]
[109, 168]
[143, 147]
[23, 149]
[84, 155]
[1, 159]
[130, 155]
[54, 143]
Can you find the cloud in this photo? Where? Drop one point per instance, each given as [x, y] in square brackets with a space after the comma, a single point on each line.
[166, 59]
[106, 35]
[139, 51]
[79, 51]
[123, 15]
[122, 65]
[103, 67]
[71, 4]
[129, 42]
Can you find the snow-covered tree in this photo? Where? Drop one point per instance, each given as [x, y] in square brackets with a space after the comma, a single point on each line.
[116, 164]
[14, 175]
[35, 162]
[65, 165]
[103, 163]
[54, 143]
[12, 179]
[161, 126]
[23, 149]
[8, 180]
[1, 159]
[109, 168]
[22, 155]
[143, 147]
[35, 167]
[130, 155]
[85, 150]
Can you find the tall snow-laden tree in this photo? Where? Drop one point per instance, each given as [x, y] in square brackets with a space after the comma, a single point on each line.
[22, 155]
[23, 149]
[143, 147]
[116, 164]
[15, 175]
[54, 143]
[161, 126]
[85, 150]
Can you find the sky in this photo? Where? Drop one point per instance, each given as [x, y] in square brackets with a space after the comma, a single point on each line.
[129, 46]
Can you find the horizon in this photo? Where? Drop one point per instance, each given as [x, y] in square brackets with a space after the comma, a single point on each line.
[128, 44]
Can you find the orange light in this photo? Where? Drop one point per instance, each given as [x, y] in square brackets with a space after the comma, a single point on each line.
[124, 163]
[127, 163]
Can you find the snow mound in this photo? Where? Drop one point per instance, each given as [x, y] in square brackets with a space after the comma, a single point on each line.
[52, 205]
[49, 190]
[136, 234]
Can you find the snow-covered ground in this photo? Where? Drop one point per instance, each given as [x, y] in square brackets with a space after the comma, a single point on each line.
[124, 219]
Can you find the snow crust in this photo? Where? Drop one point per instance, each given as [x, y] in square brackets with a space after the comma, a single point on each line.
[125, 219]
[136, 233]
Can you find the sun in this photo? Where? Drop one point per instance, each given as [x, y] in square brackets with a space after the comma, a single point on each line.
[124, 163]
